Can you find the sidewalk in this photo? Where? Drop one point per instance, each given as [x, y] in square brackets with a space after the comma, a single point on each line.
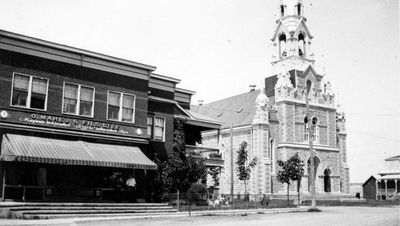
[73, 221]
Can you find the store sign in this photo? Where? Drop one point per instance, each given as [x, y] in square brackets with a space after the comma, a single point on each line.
[73, 123]
[44, 120]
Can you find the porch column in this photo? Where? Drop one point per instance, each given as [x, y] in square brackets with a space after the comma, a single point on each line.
[377, 189]
[385, 181]
[218, 137]
[3, 192]
[395, 185]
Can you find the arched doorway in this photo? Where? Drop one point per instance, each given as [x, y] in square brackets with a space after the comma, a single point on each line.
[327, 180]
[316, 164]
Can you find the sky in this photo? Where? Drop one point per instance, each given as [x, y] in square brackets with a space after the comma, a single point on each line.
[219, 48]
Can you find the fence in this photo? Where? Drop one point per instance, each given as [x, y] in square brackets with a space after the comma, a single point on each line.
[204, 201]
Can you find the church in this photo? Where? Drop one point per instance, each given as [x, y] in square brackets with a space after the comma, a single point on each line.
[272, 121]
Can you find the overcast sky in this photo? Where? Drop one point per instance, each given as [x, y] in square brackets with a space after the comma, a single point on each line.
[219, 47]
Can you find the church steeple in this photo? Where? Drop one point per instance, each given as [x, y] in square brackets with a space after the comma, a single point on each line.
[292, 38]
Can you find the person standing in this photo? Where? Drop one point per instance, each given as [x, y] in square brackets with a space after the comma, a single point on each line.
[131, 183]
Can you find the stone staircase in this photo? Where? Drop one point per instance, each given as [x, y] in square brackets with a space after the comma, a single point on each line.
[73, 210]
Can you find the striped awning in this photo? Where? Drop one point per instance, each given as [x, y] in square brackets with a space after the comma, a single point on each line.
[21, 148]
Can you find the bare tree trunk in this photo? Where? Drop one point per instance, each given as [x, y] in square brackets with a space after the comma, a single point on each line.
[245, 192]
[298, 191]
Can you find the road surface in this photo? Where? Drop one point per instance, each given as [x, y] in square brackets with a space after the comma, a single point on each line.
[330, 216]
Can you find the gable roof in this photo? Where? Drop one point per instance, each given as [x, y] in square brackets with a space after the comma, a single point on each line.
[237, 110]
[311, 69]
[283, 22]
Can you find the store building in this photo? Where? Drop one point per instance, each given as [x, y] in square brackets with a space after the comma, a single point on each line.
[76, 124]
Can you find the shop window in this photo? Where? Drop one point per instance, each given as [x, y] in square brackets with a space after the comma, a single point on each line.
[29, 92]
[78, 100]
[121, 107]
[156, 128]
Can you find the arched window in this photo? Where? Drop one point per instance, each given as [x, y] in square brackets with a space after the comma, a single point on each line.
[282, 45]
[327, 180]
[282, 10]
[301, 45]
[298, 6]
[305, 130]
[314, 129]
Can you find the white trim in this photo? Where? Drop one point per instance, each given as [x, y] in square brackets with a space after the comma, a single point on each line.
[165, 78]
[77, 109]
[303, 103]
[160, 99]
[190, 92]
[28, 98]
[306, 146]
[120, 106]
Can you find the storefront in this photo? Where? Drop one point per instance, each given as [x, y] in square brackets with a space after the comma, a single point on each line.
[41, 160]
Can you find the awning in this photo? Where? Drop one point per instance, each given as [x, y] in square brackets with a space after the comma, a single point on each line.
[21, 148]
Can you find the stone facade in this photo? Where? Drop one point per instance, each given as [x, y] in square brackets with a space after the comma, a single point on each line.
[278, 129]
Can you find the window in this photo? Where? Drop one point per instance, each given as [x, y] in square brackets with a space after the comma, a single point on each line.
[314, 129]
[272, 156]
[301, 45]
[121, 107]
[156, 128]
[29, 92]
[150, 126]
[298, 6]
[282, 10]
[78, 100]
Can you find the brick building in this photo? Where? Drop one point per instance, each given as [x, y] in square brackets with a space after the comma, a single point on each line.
[75, 124]
[272, 120]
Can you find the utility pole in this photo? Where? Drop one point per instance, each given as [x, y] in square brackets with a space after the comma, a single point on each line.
[232, 182]
[312, 153]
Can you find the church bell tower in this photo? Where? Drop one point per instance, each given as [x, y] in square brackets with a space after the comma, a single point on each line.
[291, 39]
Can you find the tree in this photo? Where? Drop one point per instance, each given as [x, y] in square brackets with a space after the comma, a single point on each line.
[181, 168]
[292, 170]
[243, 167]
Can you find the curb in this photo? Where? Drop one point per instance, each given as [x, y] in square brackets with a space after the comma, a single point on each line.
[74, 221]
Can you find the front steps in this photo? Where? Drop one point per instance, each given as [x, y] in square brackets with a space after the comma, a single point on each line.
[73, 210]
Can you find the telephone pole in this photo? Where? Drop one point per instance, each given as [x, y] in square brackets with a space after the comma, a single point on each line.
[232, 182]
[312, 153]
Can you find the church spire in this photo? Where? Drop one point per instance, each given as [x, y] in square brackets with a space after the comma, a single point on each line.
[292, 38]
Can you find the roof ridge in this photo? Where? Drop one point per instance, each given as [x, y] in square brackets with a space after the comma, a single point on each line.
[231, 97]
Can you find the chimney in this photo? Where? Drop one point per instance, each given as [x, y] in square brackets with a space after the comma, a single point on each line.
[201, 102]
[252, 88]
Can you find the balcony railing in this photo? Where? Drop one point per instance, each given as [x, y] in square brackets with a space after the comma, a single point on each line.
[211, 156]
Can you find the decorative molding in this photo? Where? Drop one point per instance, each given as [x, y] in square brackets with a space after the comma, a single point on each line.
[306, 146]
